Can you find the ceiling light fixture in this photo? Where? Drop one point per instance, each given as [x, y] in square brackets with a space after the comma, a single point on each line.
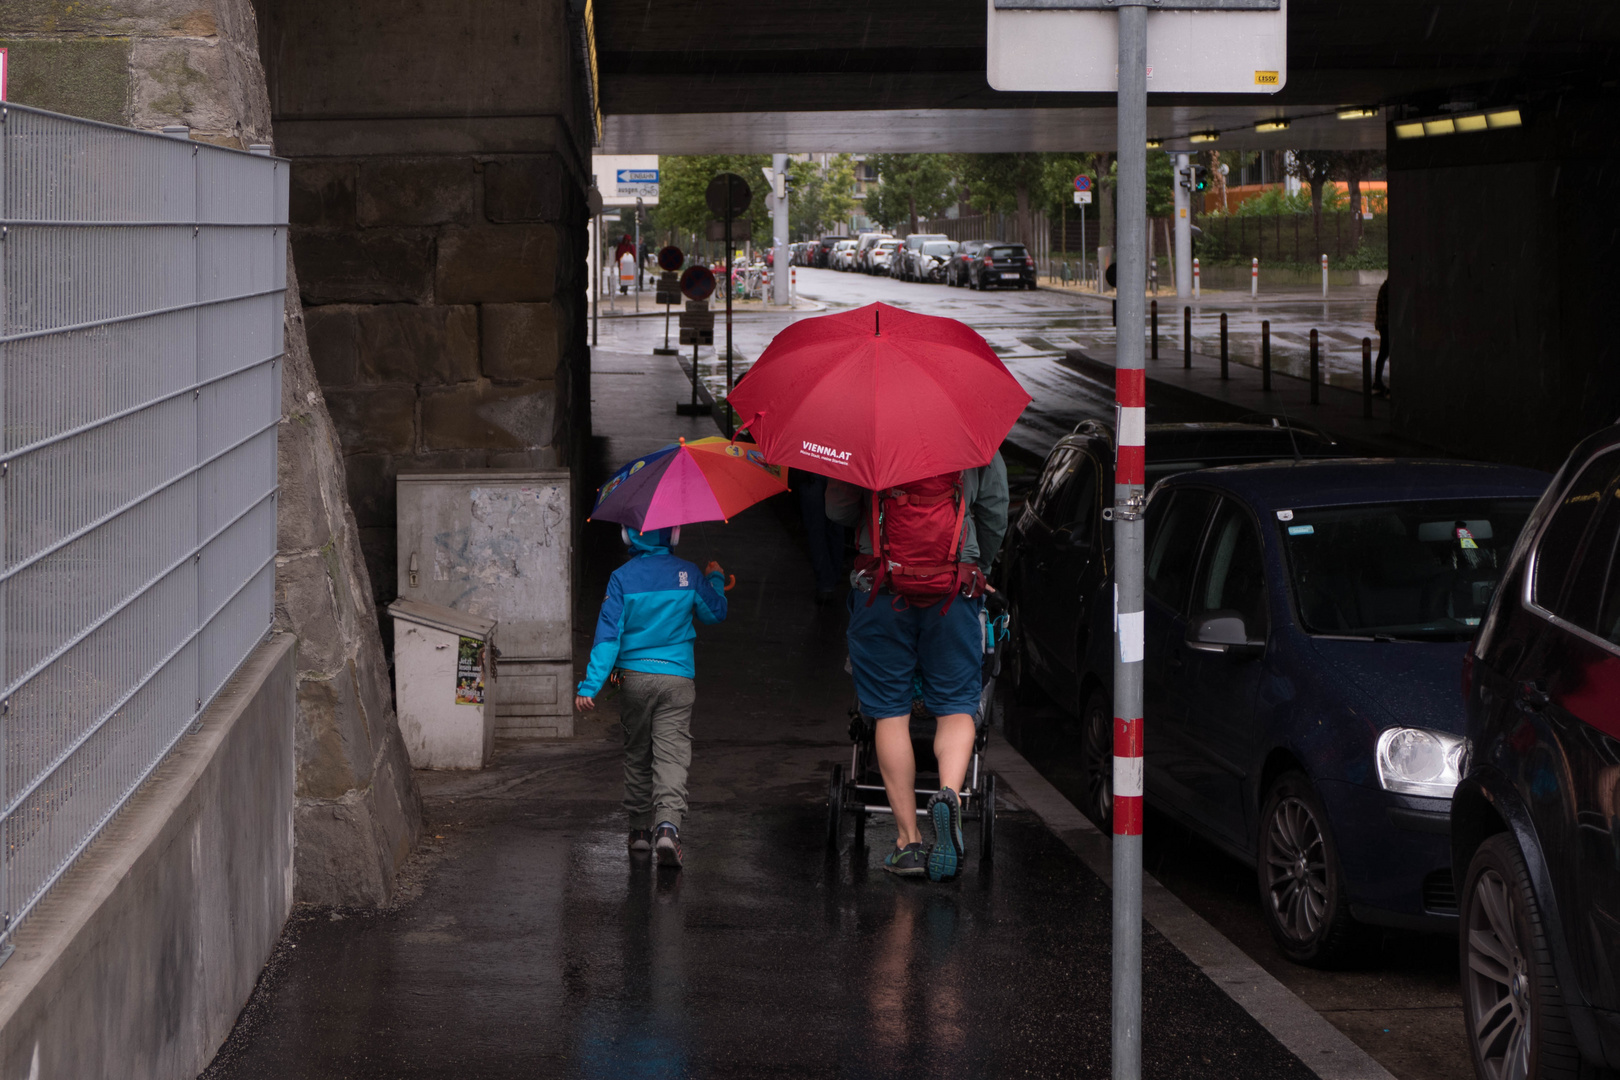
[1358, 112]
[1204, 136]
[1154, 144]
[1505, 119]
[1443, 126]
[1413, 130]
[1279, 124]
[1475, 122]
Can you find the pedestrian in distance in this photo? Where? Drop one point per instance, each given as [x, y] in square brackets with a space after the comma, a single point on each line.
[1381, 324]
[825, 536]
[914, 621]
[644, 638]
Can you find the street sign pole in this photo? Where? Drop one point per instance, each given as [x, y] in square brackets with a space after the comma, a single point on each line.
[779, 232]
[729, 432]
[638, 254]
[1183, 240]
[1130, 390]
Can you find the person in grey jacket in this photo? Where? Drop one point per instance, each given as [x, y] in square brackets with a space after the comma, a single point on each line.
[894, 643]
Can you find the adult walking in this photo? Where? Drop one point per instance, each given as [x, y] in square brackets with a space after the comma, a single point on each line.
[1381, 324]
[825, 536]
[905, 414]
[914, 627]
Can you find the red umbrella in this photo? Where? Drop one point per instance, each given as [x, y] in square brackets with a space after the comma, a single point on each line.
[879, 396]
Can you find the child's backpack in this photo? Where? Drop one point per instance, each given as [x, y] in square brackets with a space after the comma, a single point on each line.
[917, 542]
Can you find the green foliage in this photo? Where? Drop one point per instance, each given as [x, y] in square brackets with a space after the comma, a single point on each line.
[995, 182]
[822, 197]
[913, 186]
[681, 207]
[1161, 183]
[1273, 201]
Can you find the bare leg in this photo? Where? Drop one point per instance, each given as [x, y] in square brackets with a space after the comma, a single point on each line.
[953, 746]
[899, 768]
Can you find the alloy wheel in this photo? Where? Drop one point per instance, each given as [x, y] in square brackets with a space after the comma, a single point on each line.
[1296, 869]
[1497, 983]
[1098, 755]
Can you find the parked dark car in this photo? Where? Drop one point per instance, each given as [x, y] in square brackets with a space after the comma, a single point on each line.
[1535, 824]
[1305, 628]
[1002, 265]
[824, 248]
[1057, 553]
[961, 268]
[905, 258]
[933, 260]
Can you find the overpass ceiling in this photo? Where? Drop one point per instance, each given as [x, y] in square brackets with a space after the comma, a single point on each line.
[709, 76]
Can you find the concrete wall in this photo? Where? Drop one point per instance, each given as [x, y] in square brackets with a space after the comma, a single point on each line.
[149, 63]
[1501, 251]
[440, 160]
[138, 963]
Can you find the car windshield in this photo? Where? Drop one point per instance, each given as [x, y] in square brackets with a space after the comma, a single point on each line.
[1416, 570]
[1005, 253]
[937, 247]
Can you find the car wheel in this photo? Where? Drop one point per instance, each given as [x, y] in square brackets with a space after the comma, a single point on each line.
[1097, 756]
[1301, 885]
[1512, 1008]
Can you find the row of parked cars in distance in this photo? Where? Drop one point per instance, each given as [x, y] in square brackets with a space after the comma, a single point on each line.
[931, 258]
[1390, 686]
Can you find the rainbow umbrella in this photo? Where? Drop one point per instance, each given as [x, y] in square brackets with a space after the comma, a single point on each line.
[703, 480]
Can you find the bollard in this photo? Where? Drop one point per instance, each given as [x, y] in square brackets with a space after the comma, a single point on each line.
[1196, 291]
[1254, 279]
[1265, 355]
[793, 283]
[1155, 311]
[1366, 378]
[1316, 372]
[1223, 346]
[1324, 275]
[1186, 338]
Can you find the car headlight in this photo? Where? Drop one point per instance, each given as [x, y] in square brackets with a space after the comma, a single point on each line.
[1416, 761]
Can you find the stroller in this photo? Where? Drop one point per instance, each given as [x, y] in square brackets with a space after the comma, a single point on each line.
[860, 792]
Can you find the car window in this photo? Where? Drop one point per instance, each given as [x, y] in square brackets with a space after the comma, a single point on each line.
[1075, 497]
[1566, 528]
[1005, 253]
[1233, 576]
[1173, 545]
[1592, 600]
[1056, 465]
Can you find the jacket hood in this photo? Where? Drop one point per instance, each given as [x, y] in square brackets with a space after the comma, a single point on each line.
[652, 542]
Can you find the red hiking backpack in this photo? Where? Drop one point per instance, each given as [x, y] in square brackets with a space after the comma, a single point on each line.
[916, 536]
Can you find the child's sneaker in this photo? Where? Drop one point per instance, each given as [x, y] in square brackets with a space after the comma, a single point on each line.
[945, 858]
[641, 840]
[668, 845]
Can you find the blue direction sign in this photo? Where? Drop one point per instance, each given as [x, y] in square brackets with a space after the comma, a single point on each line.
[643, 182]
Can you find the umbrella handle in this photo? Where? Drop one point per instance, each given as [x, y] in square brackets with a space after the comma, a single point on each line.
[731, 582]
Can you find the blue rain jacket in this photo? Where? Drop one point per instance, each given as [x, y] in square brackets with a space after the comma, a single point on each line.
[646, 620]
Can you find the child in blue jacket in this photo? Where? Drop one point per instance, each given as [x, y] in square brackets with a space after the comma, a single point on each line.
[645, 633]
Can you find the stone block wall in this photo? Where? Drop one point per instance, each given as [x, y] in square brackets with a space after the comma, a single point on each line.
[443, 296]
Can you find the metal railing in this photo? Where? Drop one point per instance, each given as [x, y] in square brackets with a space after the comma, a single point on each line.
[141, 282]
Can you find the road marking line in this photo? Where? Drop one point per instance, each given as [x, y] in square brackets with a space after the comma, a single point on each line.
[1323, 1048]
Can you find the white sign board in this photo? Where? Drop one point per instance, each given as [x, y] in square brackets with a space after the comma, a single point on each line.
[1082, 198]
[636, 182]
[1208, 52]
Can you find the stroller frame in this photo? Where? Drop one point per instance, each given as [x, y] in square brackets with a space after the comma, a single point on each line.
[860, 793]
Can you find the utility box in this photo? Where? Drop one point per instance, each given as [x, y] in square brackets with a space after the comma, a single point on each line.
[498, 543]
[445, 685]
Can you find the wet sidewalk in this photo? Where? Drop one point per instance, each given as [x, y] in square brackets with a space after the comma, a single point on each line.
[528, 944]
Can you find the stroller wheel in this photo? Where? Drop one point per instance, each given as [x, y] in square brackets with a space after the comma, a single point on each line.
[860, 828]
[835, 806]
[987, 820]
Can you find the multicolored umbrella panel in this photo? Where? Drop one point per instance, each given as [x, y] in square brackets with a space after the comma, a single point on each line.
[709, 479]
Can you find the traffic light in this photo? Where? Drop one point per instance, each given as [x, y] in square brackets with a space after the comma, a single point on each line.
[1195, 178]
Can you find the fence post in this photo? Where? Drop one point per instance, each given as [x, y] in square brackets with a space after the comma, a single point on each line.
[1324, 274]
[1223, 347]
[1186, 338]
[1265, 355]
[1316, 371]
[1254, 278]
[1155, 311]
[1366, 378]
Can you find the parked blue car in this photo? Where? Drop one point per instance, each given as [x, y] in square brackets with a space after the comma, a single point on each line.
[1305, 631]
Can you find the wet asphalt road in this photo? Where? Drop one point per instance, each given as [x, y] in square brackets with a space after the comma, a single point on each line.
[530, 944]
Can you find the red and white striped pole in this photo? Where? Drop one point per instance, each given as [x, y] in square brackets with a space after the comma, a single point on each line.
[793, 283]
[1197, 292]
[1254, 278]
[1130, 391]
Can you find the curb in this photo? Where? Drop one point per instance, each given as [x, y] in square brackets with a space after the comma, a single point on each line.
[1323, 1048]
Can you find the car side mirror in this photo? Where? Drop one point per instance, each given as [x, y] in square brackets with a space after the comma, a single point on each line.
[1223, 631]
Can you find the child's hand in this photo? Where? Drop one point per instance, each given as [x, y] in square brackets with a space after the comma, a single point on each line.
[584, 704]
[714, 568]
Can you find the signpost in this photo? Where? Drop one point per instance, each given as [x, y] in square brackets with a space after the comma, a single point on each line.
[1082, 199]
[729, 196]
[2, 74]
[1201, 47]
[697, 327]
[669, 289]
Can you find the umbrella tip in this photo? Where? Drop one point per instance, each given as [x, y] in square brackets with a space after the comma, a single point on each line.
[683, 440]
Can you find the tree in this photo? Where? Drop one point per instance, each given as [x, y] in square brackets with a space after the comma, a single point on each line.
[681, 206]
[1003, 183]
[1316, 168]
[911, 187]
[1354, 167]
[823, 196]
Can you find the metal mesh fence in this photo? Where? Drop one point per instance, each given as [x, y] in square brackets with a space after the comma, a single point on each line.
[141, 281]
